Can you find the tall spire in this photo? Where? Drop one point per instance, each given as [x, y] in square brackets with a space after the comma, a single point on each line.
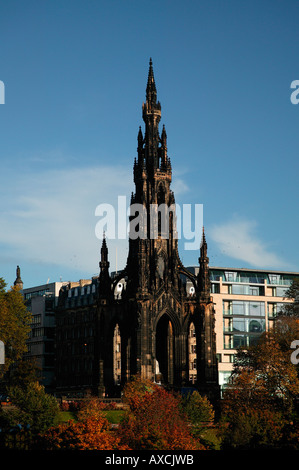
[203, 246]
[151, 113]
[104, 278]
[203, 274]
[151, 91]
[104, 263]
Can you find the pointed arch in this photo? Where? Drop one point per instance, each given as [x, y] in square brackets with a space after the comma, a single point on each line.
[165, 349]
[117, 355]
[192, 353]
[173, 318]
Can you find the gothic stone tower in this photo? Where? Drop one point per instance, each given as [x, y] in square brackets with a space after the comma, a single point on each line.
[153, 314]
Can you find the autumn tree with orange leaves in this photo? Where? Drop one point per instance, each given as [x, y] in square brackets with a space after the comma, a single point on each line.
[155, 420]
[91, 433]
[260, 405]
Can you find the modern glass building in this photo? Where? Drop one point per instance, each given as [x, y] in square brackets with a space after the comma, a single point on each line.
[246, 304]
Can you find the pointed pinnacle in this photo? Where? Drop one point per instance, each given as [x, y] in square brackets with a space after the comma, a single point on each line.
[151, 86]
[203, 239]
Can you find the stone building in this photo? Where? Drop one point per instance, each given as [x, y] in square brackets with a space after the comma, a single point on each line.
[139, 321]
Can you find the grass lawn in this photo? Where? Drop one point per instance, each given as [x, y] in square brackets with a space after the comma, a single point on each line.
[113, 416]
[210, 435]
[65, 416]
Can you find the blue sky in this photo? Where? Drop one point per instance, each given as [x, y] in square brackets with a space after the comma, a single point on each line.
[75, 75]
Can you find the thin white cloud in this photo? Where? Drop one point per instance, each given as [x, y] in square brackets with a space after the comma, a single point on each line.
[49, 217]
[238, 239]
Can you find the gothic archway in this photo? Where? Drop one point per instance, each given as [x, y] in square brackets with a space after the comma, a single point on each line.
[116, 355]
[192, 353]
[165, 348]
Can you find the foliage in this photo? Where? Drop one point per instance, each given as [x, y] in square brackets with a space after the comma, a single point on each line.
[201, 415]
[70, 406]
[92, 433]
[198, 409]
[23, 373]
[135, 390]
[292, 309]
[285, 331]
[91, 407]
[155, 420]
[31, 406]
[14, 325]
[273, 376]
[259, 408]
[252, 428]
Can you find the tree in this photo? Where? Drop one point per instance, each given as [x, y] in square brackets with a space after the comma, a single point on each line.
[91, 432]
[155, 420]
[91, 407]
[23, 373]
[259, 408]
[198, 409]
[15, 322]
[292, 309]
[31, 406]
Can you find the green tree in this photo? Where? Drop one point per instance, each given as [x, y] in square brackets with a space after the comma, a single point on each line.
[31, 406]
[24, 373]
[198, 409]
[15, 322]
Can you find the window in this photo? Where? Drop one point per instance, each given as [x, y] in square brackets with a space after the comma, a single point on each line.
[36, 332]
[228, 342]
[243, 289]
[254, 290]
[229, 358]
[239, 324]
[256, 326]
[280, 291]
[227, 307]
[273, 278]
[230, 276]
[256, 308]
[239, 340]
[36, 320]
[215, 288]
[239, 307]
